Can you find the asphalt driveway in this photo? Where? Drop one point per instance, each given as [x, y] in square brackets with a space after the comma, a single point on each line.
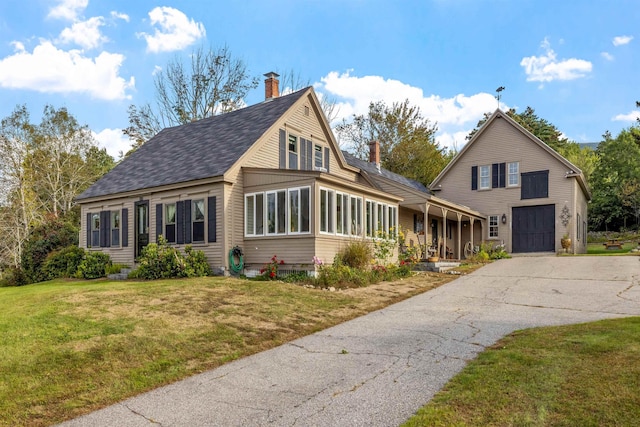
[380, 368]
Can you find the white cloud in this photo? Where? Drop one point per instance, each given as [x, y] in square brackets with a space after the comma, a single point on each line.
[114, 141]
[51, 70]
[68, 9]
[607, 56]
[629, 117]
[622, 40]
[548, 68]
[455, 116]
[174, 30]
[85, 33]
[118, 15]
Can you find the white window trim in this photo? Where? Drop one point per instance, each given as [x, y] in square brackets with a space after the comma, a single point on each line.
[496, 226]
[517, 174]
[292, 190]
[345, 219]
[331, 213]
[488, 176]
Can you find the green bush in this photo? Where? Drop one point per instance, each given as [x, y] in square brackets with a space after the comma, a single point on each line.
[52, 235]
[93, 266]
[62, 263]
[160, 261]
[115, 268]
[357, 254]
[13, 276]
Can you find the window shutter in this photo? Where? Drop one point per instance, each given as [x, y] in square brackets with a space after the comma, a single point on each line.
[187, 221]
[105, 229]
[309, 156]
[125, 227]
[326, 158]
[503, 170]
[211, 219]
[494, 175]
[303, 154]
[283, 149]
[88, 230]
[159, 221]
[474, 177]
[180, 222]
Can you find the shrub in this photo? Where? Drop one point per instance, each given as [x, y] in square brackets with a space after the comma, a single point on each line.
[161, 261]
[13, 276]
[115, 268]
[62, 263]
[44, 239]
[269, 271]
[93, 266]
[356, 254]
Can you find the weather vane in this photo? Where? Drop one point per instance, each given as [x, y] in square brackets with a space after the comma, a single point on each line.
[498, 96]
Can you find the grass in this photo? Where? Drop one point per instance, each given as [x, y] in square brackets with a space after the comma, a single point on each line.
[70, 347]
[600, 249]
[576, 375]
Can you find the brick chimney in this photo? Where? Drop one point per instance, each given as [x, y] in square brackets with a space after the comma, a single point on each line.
[374, 153]
[271, 86]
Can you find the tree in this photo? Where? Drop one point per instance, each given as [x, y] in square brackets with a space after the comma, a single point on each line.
[407, 142]
[215, 83]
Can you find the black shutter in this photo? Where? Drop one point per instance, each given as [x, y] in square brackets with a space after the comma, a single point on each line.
[159, 221]
[494, 175]
[125, 227]
[309, 156]
[502, 171]
[105, 229]
[283, 149]
[179, 223]
[474, 177]
[303, 154]
[187, 221]
[326, 158]
[211, 219]
[88, 230]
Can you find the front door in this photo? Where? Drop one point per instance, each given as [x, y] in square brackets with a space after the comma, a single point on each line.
[142, 226]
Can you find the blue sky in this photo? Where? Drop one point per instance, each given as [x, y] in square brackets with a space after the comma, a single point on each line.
[575, 62]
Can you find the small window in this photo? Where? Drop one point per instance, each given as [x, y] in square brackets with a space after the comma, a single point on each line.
[514, 174]
[293, 152]
[535, 185]
[318, 158]
[254, 214]
[115, 228]
[95, 230]
[170, 222]
[485, 175]
[197, 213]
[493, 226]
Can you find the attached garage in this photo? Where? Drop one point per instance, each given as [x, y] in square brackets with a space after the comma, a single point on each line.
[533, 228]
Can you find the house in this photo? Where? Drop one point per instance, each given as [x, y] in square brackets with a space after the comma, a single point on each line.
[532, 196]
[270, 179]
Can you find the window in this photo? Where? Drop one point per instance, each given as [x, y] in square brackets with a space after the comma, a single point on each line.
[254, 214]
[95, 230]
[393, 227]
[578, 231]
[326, 210]
[170, 222]
[493, 226]
[293, 152]
[299, 210]
[514, 174]
[485, 181]
[356, 216]
[370, 218]
[535, 185]
[342, 213]
[276, 212]
[318, 158]
[115, 228]
[197, 212]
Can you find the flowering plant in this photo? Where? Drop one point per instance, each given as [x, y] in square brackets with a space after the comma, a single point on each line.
[270, 270]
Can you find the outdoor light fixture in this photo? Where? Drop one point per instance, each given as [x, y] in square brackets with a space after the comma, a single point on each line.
[504, 218]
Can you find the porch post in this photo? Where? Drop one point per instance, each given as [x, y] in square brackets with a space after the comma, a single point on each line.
[459, 234]
[426, 227]
[472, 220]
[444, 234]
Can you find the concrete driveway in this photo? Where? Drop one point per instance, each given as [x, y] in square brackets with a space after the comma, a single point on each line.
[380, 368]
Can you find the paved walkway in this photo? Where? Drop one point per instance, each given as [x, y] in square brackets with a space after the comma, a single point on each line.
[379, 369]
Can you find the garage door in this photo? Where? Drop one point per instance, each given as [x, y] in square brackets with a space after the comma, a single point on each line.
[534, 228]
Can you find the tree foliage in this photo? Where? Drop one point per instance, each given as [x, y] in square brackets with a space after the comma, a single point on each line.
[215, 82]
[407, 142]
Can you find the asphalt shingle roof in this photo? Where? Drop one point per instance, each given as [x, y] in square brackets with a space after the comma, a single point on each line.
[198, 150]
[373, 171]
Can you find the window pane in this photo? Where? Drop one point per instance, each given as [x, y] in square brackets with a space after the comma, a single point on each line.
[323, 210]
[282, 212]
[484, 177]
[514, 173]
[198, 210]
[170, 213]
[318, 156]
[305, 210]
[259, 214]
[271, 213]
[249, 215]
[294, 214]
[339, 209]
[198, 231]
[170, 233]
[330, 202]
[115, 237]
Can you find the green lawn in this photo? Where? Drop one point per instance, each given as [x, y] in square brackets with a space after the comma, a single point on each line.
[577, 375]
[600, 249]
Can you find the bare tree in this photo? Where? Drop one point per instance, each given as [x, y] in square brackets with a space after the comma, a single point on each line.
[214, 83]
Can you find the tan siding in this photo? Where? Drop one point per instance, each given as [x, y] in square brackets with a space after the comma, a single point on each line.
[501, 142]
[121, 254]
